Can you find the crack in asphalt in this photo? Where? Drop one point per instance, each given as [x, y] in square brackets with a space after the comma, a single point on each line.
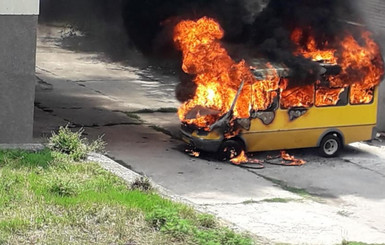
[47, 71]
[295, 190]
[94, 90]
[249, 202]
[362, 167]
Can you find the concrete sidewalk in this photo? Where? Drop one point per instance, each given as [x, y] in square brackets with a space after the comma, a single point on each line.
[325, 201]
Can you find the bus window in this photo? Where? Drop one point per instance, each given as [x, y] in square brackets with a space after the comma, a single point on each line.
[325, 96]
[269, 101]
[297, 97]
[359, 94]
[267, 116]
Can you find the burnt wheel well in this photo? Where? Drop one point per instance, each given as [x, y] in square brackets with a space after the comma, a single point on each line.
[332, 132]
[238, 139]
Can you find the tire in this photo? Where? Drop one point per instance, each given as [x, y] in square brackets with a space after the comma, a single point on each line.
[330, 145]
[229, 149]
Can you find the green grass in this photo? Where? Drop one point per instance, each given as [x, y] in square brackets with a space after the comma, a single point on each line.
[48, 199]
[359, 243]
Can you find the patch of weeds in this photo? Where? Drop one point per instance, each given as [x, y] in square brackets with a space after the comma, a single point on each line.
[146, 110]
[14, 225]
[162, 110]
[134, 116]
[73, 144]
[160, 216]
[221, 236]
[160, 129]
[167, 110]
[299, 191]
[11, 186]
[64, 188]
[249, 201]
[142, 184]
[278, 200]
[169, 222]
[207, 221]
[344, 242]
[344, 213]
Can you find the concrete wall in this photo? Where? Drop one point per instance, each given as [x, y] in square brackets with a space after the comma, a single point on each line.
[17, 70]
[19, 7]
[373, 12]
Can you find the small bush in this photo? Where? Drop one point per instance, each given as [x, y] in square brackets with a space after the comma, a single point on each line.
[141, 184]
[73, 144]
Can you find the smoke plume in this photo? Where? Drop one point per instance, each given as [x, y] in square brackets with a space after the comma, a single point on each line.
[326, 20]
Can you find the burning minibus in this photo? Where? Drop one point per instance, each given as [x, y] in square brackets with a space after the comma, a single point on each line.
[254, 106]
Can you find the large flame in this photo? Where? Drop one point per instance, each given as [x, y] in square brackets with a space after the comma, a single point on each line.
[360, 61]
[218, 77]
[309, 48]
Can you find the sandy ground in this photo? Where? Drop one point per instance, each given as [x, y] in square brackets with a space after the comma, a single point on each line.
[325, 201]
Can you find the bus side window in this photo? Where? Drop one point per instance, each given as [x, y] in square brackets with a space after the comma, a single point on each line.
[297, 97]
[326, 96]
[359, 95]
[267, 116]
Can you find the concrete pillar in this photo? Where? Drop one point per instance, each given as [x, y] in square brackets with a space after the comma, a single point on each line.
[18, 23]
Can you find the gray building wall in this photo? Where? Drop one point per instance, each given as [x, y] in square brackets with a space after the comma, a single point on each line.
[17, 77]
[373, 12]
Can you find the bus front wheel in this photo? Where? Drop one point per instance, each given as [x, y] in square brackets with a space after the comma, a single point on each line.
[330, 145]
[230, 149]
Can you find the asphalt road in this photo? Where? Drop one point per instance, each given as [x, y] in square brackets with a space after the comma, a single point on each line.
[324, 201]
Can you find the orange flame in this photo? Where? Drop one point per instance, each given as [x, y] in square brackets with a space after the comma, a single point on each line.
[293, 161]
[361, 64]
[217, 76]
[241, 158]
[309, 50]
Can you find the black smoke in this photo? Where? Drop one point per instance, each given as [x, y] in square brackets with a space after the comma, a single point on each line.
[326, 20]
[100, 21]
[150, 23]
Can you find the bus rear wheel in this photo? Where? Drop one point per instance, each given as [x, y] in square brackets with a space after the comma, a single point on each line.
[230, 149]
[330, 145]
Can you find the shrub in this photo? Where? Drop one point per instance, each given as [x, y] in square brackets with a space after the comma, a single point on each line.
[73, 144]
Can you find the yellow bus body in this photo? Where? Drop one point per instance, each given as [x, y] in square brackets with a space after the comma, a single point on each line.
[353, 123]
